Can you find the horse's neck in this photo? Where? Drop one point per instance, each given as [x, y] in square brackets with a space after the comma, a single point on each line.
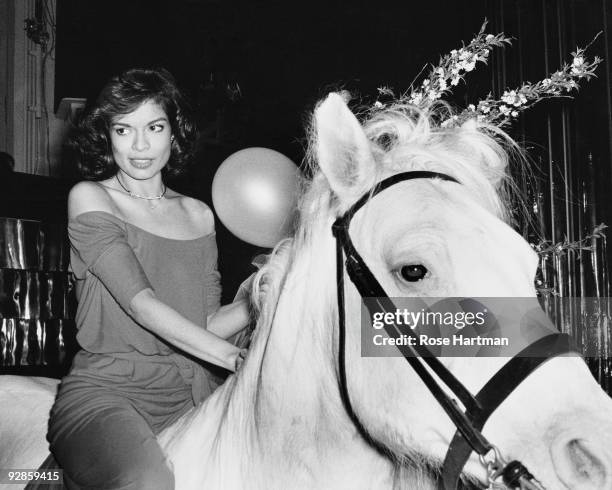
[307, 438]
[280, 423]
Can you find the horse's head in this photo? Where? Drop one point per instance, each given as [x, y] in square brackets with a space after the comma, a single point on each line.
[435, 238]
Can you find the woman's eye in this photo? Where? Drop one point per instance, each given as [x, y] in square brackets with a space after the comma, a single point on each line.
[157, 128]
[121, 131]
[413, 272]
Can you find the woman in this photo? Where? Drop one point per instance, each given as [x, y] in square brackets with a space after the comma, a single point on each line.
[145, 259]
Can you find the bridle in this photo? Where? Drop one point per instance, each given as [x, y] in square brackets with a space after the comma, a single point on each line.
[478, 408]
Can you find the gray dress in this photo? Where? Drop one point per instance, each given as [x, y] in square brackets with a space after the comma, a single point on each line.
[127, 384]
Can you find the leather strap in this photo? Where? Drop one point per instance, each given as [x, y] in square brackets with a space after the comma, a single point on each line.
[492, 395]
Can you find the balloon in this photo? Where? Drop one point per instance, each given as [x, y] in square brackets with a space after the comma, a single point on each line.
[254, 192]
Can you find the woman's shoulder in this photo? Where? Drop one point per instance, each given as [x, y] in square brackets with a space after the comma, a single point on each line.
[89, 196]
[198, 213]
[201, 215]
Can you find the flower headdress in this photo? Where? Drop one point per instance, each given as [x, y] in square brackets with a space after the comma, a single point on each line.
[453, 67]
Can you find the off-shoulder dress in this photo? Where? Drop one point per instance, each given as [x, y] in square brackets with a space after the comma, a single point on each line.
[127, 384]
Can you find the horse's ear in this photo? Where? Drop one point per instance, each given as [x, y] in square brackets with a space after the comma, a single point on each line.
[342, 148]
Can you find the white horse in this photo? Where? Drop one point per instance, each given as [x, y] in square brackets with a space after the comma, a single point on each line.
[280, 422]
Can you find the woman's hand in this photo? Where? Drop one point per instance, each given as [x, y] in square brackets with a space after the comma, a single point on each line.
[264, 289]
[240, 359]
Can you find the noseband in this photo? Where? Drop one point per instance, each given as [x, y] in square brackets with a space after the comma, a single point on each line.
[478, 408]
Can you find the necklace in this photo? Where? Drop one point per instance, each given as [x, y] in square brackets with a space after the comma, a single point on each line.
[138, 196]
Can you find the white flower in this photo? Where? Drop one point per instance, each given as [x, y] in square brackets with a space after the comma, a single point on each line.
[577, 70]
[416, 98]
[512, 98]
[425, 83]
[471, 107]
[514, 113]
[455, 81]
[453, 52]
[504, 110]
[578, 61]
[484, 107]
[440, 71]
[432, 95]
[378, 104]
[470, 66]
[546, 82]
[449, 121]
[489, 37]
[508, 97]
[442, 83]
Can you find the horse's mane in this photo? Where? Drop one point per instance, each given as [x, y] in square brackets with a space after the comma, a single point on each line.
[402, 137]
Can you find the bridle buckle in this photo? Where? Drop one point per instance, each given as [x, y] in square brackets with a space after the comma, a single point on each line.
[494, 463]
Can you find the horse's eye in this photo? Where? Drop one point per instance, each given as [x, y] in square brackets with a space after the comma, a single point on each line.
[413, 272]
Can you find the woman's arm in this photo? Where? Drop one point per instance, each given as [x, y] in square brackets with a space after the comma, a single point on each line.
[229, 319]
[164, 321]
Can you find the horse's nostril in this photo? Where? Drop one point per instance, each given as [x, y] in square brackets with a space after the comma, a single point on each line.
[585, 464]
[578, 465]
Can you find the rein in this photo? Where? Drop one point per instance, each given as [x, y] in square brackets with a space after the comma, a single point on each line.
[469, 423]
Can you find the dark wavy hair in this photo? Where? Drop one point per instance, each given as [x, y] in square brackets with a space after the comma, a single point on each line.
[89, 145]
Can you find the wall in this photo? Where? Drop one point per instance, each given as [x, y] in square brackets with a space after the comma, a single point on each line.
[4, 73]
[30, 132]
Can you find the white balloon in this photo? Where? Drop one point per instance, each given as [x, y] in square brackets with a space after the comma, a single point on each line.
[255, 192]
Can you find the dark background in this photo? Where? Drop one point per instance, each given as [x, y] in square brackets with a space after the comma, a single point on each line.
[283, 54]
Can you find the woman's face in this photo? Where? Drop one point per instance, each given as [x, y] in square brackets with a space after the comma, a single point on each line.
[141, 141]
